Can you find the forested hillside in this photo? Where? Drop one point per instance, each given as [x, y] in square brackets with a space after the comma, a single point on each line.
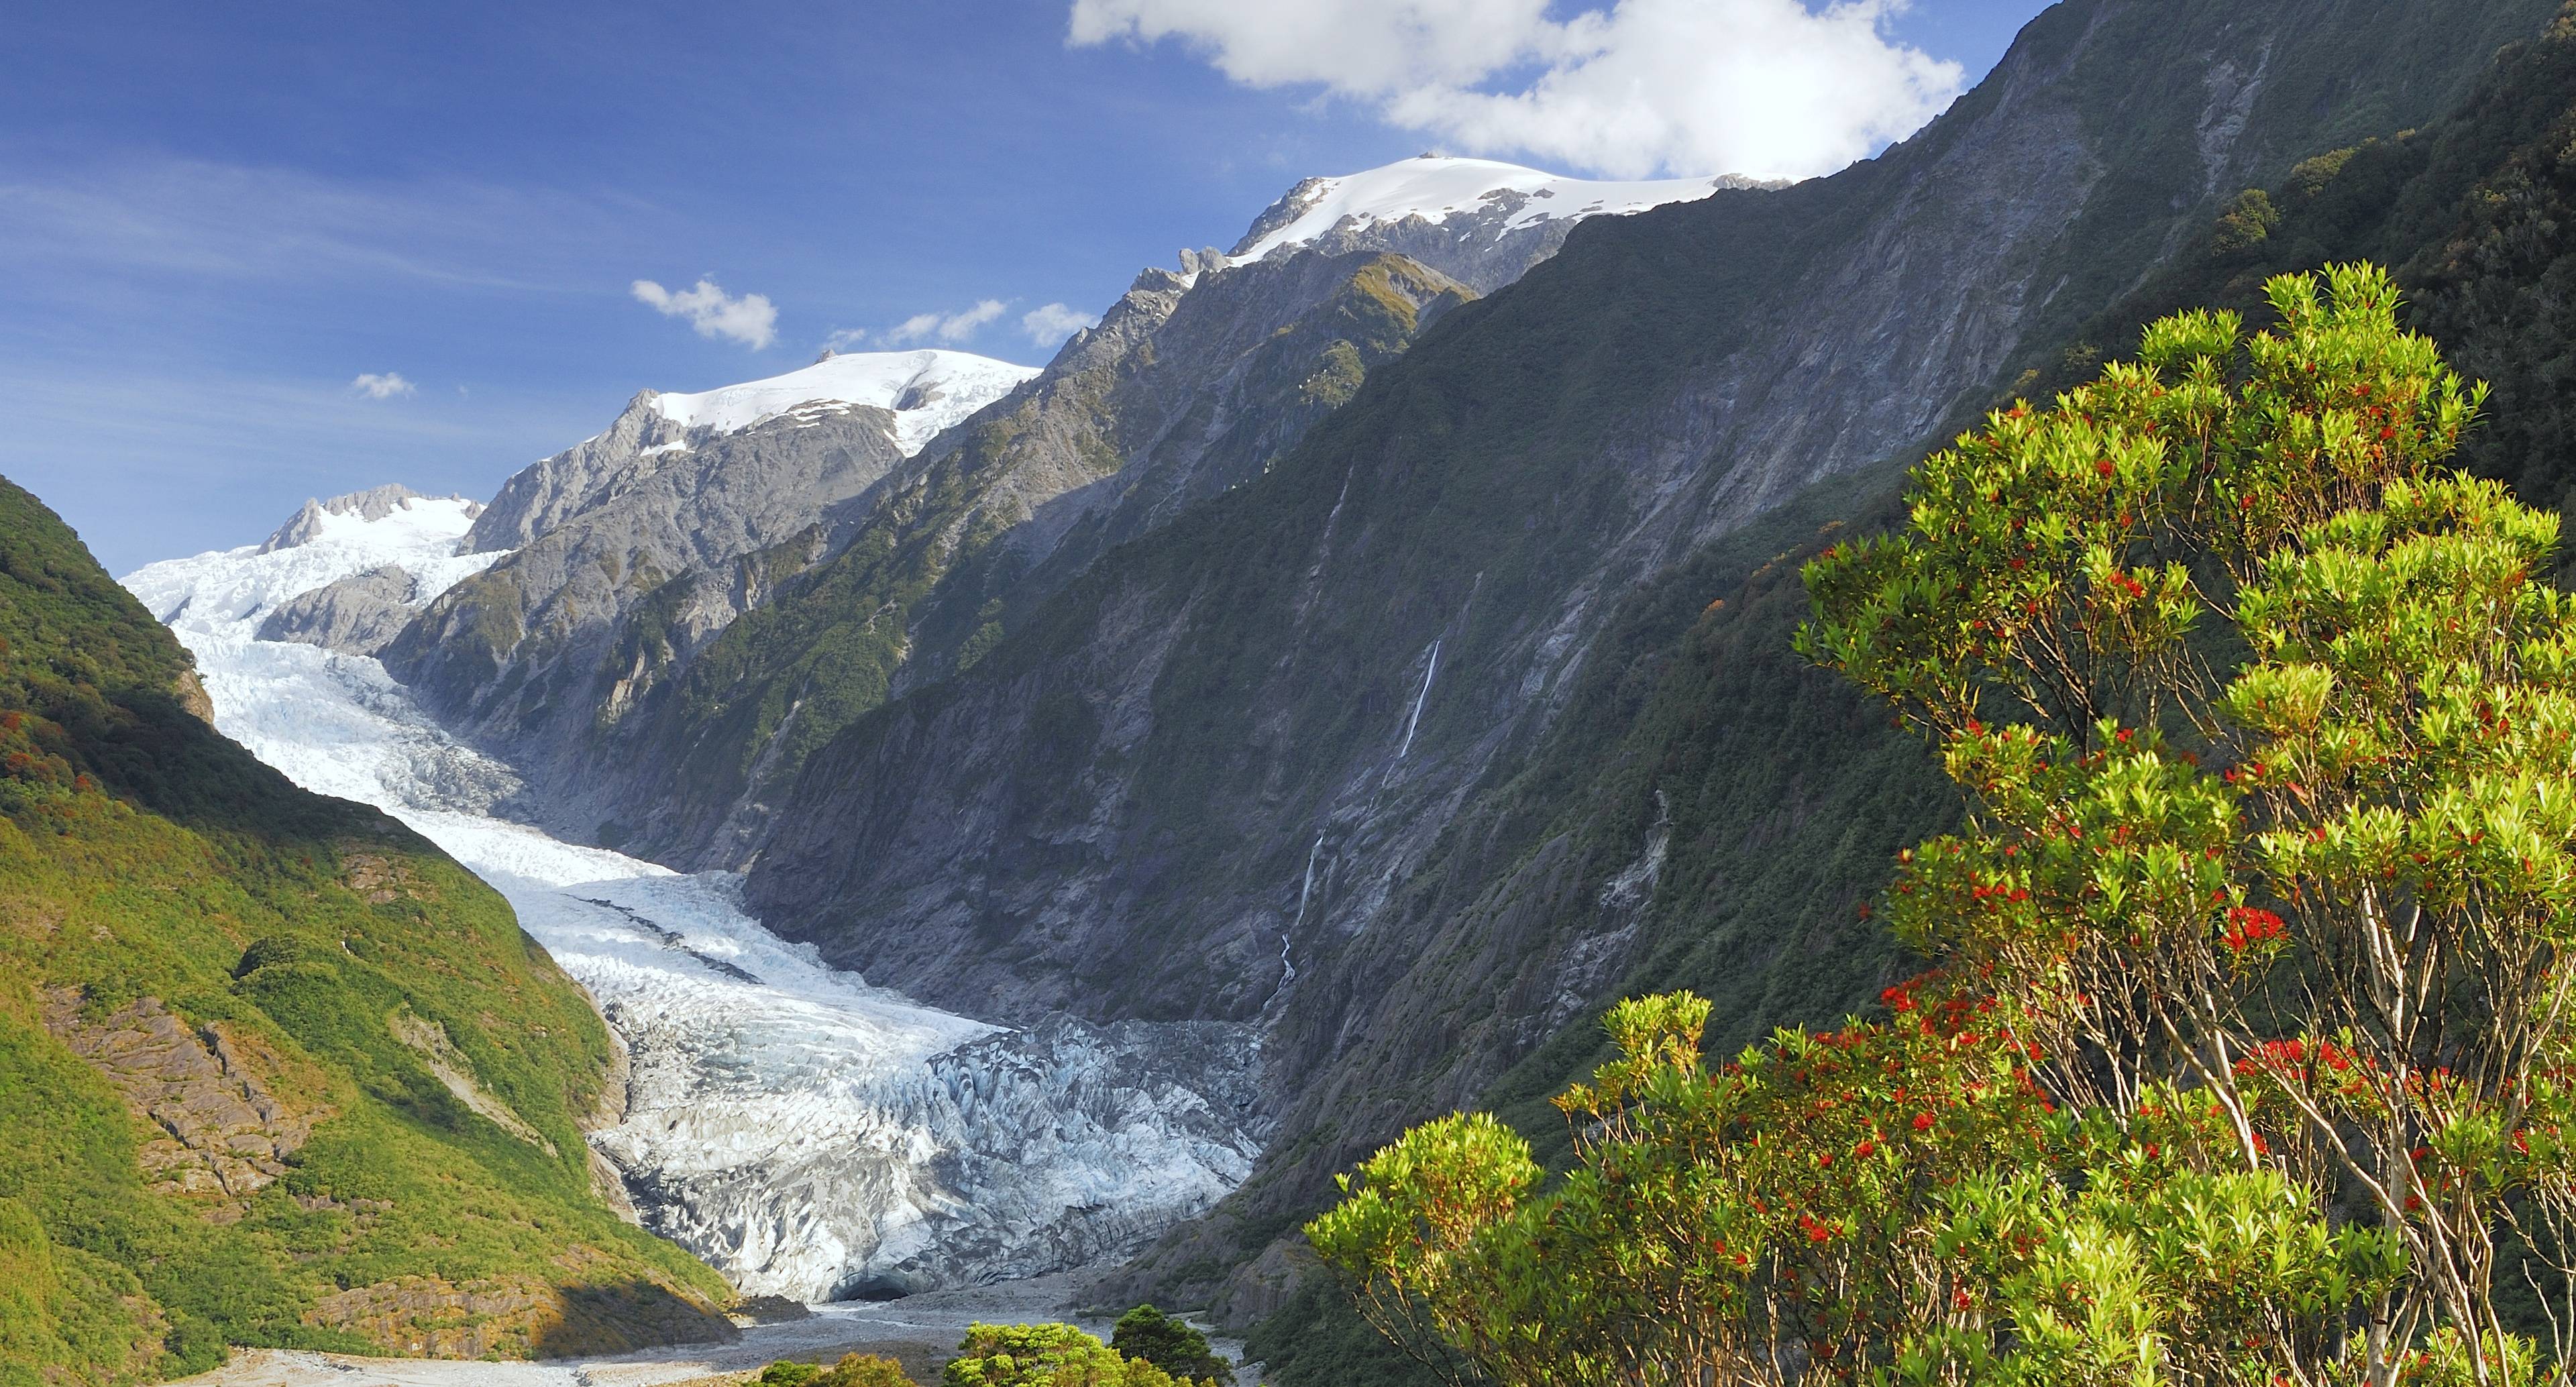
[274, 1070]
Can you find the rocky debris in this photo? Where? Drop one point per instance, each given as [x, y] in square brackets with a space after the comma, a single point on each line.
[207, 1091]
[358, 615]
[374, 503]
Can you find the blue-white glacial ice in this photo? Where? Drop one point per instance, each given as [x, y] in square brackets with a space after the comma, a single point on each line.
[807, 1134]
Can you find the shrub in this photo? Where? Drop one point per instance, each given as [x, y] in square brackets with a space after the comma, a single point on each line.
[1171, 1344]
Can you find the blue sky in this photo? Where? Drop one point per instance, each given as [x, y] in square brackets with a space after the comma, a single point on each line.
[220, 216]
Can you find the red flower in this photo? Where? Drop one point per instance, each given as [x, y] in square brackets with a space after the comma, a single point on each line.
[1863, 1150]
[1923, 1122]
[2104, 467]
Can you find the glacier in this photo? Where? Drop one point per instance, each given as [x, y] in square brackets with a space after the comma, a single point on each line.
[807, 1134]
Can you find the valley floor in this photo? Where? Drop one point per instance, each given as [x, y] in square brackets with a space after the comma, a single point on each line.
[920, 1330]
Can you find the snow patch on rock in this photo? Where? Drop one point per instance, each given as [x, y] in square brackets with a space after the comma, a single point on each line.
[1435, 188]
[927, 390]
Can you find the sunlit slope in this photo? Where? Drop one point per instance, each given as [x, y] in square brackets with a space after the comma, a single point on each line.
[273, 1070]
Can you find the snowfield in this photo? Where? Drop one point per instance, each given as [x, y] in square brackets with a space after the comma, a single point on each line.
[1434, 187]
[928, 390]
[808, 1134]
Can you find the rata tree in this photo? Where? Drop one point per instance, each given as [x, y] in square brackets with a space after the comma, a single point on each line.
[2265, 726]
[2268, 740]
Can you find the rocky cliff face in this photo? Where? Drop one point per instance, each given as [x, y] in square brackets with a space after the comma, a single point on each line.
[358, 615]
[521, 655]
[1191, 384]
[1255, 768]
[580, 654]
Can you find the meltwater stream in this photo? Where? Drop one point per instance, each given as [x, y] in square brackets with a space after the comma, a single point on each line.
[807, 1134]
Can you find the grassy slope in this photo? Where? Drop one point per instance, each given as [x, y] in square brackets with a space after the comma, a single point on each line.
[144, 855]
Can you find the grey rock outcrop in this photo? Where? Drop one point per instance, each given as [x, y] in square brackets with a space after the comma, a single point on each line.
[514, 654]
[205, 1095]
[358, 615]
[546, 494]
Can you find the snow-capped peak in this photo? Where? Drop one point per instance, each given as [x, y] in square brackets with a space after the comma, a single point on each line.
[927, 390]
[1435, 187]
[326, 541]
[347, 514]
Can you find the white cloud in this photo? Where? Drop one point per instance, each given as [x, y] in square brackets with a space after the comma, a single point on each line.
[1054, 322]
[1762, 87]
[842, 339]
[751, 319]
[950, 328]
[382, 386]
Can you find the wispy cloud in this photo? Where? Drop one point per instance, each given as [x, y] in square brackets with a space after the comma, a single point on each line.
[750, 319]
[947, 328]
[842, 339]
[1054, 322]
[225, 221]
[382, 386]
[1627, 88]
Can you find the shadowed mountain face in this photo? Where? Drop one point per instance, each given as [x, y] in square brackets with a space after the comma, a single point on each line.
[664, 705]
[1279, 759]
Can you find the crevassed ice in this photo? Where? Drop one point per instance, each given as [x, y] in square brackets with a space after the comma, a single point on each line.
[807, 1134]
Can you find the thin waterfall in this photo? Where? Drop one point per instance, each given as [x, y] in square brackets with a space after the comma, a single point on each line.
[1416, 720]
[1304, 893]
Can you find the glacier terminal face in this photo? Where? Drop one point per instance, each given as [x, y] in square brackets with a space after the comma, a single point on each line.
[807, 1134]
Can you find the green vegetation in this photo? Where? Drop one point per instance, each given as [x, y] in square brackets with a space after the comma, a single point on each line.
[1170, 1344]
[1317, 1337]
[1047, 1355]
[854, 1370]
[2245, 1057]
[278, 963]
